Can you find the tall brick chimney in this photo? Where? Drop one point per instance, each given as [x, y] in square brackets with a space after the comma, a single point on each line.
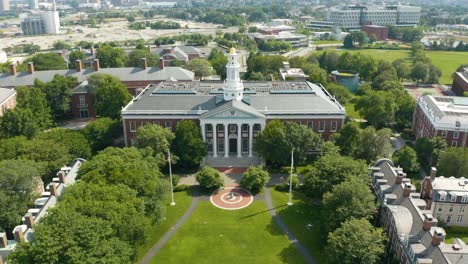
[30, 67]
[161, 63]
[399, 177]
[53, 189]
[13, 69]
[96, 64]
[407, 190]
[144, 63]
[79, 65]
[62, 177]
[438, 237]
[433, 173]
[29, 219]
[3, 240]
[93, 51]
[429, 221]
[18, 233]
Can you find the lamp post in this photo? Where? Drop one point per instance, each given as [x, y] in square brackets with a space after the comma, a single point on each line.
[290, 178]
[170, 176]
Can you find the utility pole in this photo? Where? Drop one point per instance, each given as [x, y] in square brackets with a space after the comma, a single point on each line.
[290, 178]
[170, 176]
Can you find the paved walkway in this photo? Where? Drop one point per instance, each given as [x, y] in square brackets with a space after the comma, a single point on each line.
[305, 253]
[157, 247]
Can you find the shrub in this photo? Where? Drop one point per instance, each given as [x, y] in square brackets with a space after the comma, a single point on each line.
[209, 178]
[282, 187]
[254, 179]
[182, 187]
[175, 180]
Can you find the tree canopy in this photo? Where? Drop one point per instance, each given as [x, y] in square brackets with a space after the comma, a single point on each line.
[157, 138]
[135, 56]
[254, 179]
[453, 162]
[201, 67]
[407, 159]
[111, 57]
[47, 61]
[209, 178]
[188, 144]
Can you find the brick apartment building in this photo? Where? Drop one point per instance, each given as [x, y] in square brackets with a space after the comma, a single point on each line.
[7, 100]
[460, 82]
[443, 116]
[381, 32]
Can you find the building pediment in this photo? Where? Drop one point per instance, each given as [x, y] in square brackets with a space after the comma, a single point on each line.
[233, 109]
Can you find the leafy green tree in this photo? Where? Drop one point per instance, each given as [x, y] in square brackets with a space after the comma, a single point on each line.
[111, 57]
[348, 139]
[348, 42]
[34, 99]
[316, 74]
[351, 198]
[201, 67]
[340, 92]
[420, 72]
[329, 148]
[110, 94]
[61, 45]
[135, 56]
[378, 107]
[18, 122]
[434, 74]
[429, 150]
[407, 159]
[76, 143]
[102, 132]
[47, 61]
[375, 144]
[188, 144]
[157, 138]
[254, 179]
[74, 56]
[209, 178]
[402, 68]
[356, 241]
[329, 60]
[331, 170]
[301, 139]
[218, 60]
[453, 162]
[22, 179]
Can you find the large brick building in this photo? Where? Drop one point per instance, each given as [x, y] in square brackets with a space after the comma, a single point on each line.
[460, 82]
[7, 100]
[231, 113]
[443, 116]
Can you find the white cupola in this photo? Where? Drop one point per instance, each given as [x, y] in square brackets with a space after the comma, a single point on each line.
[233, 89]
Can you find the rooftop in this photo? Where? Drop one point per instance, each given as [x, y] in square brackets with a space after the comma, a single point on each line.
[450, 184]
[449, 111]
[5, 94]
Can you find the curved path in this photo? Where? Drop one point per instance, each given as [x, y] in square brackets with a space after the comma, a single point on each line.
[161, 242]
[304, 252]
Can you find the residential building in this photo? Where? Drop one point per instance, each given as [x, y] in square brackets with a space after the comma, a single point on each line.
[414, 236]
[232, 113]
[180, 53]
[447, 198]
[443, 116]
[381, 32]
[460, 82]
[292, 74]
[4, 5]
[7, 100]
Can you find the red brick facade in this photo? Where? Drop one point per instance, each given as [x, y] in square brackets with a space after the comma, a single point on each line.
[460, 85]
[380, 32]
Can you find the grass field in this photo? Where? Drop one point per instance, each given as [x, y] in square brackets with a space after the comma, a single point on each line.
[318, 42]
[173, 213]
[454, 232]
[447, 61]
[212, 235]
[297, 217]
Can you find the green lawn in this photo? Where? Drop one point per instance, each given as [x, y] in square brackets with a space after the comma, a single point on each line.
[213, 235]
[297, 217]
[447, 61]
[318, 42]
[173, 213]
[454, 232]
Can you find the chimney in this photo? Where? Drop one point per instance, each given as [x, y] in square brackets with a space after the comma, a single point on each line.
[429, 221]
[96, 64]
[79, 65]
[1, 260]
[29, 219]
[62, 177]
[93, 51]
[433, 173]
[438, 237]
[18, 233]
[407, 190]
[144, 63]
[399, 177]
[13, 69]
[3, 240]
[161, 63]
[30, 67]
[53, 189]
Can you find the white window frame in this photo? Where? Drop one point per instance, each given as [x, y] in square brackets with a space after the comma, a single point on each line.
[322, 129]
[454, 143]
[464, 199]
[444, 133]
[456, 134]
[156, 123]
[450, 209]
[440, 208]
[334, 126]
[459, 218]
[462, 209]
[232, 128]
[453, 198]
[449, 219]
[310, 125]
[133, 126]
[442, 197]
[82, 100]
[168, 124]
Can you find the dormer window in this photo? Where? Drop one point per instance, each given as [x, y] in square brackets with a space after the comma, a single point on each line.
[457, 124]
[453, 198]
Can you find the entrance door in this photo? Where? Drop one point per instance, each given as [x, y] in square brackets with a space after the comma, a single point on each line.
[84, 112]
[232, 145]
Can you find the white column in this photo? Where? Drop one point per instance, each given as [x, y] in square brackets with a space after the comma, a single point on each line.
[226, 140]
[239, 141]
[202, 126]
[215, 141]
[250, 139]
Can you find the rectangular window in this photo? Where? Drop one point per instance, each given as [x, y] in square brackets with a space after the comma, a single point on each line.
[298, 122]
[464, 199]
[82, 100]
[209, 143]
[453, 198]
[245, 128]
[220, 144]
[144, 123]
[245, 145]
[168, 124]
[132, 126]
[444, 134]
[156, 123]
[454, 143]
[449, 218]
[321, 126]
[460, 219]
[442, 197]
[450, 209]
[209, 128]
[232, 128]
[462, 209]
[310, 124]
[333, 126]
[456, 134]
[440, 208]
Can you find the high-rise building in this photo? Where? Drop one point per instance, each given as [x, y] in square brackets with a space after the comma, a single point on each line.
[44, 22]
[4, 5]
[33, 4]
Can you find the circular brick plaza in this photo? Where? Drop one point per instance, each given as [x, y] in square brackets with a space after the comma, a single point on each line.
[231, 198]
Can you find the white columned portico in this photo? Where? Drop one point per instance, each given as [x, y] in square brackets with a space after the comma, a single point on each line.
[226, 140]
[250, 139]
[239, 140]
[215, 141]
[202, 126]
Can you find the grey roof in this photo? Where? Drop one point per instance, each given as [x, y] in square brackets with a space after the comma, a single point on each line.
[267, 98]
[5, 93]
[446, 111]
[236, 105]
[450, 184]
[124, 74]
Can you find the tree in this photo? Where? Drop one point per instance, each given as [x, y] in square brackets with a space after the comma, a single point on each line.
[348, 42]
[378, 107]
[188, 144]
[218, 60]
[135, 56]
[155, 137]
[348, 139]
[61, 45]
[76, 143]
[352, 198]
[209, 178]
[111, 57]
[340, 92]
[47, 61]
[201, 67]
[316, 74]
[356, 241]
[301, 139]
[110, 94]
[402, 68]
[254, 179]
[434, 74]
[375, 144]
[102, 132]
[407, 159]
[22, 180]
[331, 170]
[74, 56]
[420, 72]
[453, 162]
[18, 122]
